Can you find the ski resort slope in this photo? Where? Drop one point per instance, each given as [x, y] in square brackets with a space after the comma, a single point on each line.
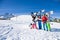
[18, 29]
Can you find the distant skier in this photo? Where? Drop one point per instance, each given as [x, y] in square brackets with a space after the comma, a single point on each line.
[44, 20]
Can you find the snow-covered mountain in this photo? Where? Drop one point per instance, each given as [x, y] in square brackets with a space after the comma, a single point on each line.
[18, 29]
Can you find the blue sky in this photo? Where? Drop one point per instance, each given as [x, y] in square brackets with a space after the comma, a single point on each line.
[27, 6]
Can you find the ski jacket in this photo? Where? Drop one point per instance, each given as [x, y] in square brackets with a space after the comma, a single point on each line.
[44, 19]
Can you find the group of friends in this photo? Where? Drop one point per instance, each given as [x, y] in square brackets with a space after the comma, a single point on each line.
[40, 20]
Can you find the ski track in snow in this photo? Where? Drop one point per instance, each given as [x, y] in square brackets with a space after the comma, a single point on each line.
[15, 30]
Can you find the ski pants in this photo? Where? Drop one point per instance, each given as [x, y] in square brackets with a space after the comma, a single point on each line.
[44, 26]
[39, 24]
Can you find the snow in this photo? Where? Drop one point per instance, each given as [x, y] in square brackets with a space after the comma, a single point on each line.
[23, 18]
[55, 25]
[18, 29]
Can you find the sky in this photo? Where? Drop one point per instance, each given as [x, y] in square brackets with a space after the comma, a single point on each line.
[27, 6]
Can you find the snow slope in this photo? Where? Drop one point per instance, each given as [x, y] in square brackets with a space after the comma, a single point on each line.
[22, 18]
[18, 29]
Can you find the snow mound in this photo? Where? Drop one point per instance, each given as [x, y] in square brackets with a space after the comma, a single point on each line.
[22, 18]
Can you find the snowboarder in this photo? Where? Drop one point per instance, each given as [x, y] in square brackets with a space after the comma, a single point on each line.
[44, 20]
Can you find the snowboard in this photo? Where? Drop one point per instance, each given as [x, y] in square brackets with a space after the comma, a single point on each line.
[48, 26]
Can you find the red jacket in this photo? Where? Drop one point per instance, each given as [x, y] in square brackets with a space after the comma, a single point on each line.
[44, 19]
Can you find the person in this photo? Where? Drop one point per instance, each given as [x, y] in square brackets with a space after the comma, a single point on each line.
[39, 22]
[33, 24]
[48, 24]
[44, 20]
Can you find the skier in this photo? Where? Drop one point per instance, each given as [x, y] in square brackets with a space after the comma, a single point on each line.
[33, 24]
[48, 24]
[39, 22]
[44, 20]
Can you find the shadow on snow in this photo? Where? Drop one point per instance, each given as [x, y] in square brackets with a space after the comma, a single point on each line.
[55, 30]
